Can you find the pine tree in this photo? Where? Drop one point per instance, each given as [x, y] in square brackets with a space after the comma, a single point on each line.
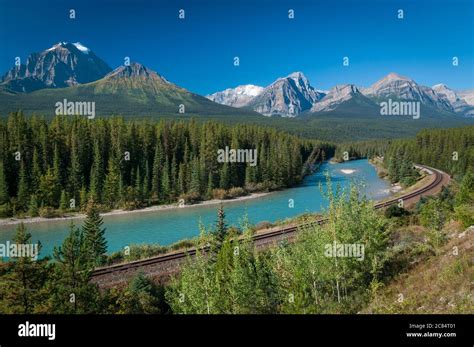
[111, 187]
[195, 185]
[174, 177]
[36, 172]
[165, 183]
[72, 292]
[220, 231]
[49, 189]
[157, 173]
[23, 193]
[95, 242]
[76, 180]
[146, 182]
[138, 185]
[57, 164]
[97, 175]
[210, 186]
[33, 206]
[63, 205]
[22, 289]
[182, 179]
[225, 179]
[83, 198]
[4, 197]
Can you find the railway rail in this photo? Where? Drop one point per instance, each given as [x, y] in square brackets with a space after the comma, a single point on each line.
[118, 272]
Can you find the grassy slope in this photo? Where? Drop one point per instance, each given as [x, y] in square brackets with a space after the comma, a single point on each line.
[434, 283]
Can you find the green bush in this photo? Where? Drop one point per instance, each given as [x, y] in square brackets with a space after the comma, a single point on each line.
[395, 211]
[48, 212]
[465, 215]
[5, 210]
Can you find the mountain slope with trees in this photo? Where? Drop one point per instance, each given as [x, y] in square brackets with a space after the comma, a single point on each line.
[46, 167]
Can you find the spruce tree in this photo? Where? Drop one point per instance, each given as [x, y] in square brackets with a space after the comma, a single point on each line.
[63, 205]
[95, 242]
[72, 292]
[4, 197]
[22, 195]
[97, 174]
[157, 173]
[112, 184]
[22, 289]
[33, 206]
[165, 183]
[210, 186]
[220, 231]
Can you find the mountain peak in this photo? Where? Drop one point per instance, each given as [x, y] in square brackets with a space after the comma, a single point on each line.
[133, 70]
[440, 86]
[336, 96]
[62, 65]
[77, 45]
[296, 75]
[396, 76]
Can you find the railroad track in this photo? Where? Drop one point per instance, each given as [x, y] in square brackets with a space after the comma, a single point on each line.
[266, 236]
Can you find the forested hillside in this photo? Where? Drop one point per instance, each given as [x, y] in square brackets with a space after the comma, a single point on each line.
[129, 164]
[450, 150]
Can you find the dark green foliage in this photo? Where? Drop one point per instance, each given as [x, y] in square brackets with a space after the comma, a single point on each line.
[142, 296]
[70, 290]
[395, 211]
[450, 150]
[220, 230]
[94, 238]
[22, 286]
[130, 164]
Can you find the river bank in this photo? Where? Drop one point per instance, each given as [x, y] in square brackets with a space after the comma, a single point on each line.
[30, 220]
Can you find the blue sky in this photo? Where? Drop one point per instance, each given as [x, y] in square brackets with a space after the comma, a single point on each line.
[197, 53]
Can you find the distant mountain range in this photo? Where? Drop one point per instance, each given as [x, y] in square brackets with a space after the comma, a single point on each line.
[72, 71]
[293, 95]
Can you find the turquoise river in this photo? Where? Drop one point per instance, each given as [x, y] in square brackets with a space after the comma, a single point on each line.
[168, 226]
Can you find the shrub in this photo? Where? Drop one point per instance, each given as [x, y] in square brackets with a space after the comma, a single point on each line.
[263, 225]
[220, 194]
[465, 215]
[395, 211]
[48, 212]
[191, 197]
[5, 210]
[236, 192]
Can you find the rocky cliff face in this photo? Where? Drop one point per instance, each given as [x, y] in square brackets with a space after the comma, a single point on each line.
[63, 65]
[287, 96]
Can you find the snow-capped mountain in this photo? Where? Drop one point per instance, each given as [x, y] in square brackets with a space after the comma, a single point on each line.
[467, 96]
[458, 103]
[287, 96]
[395, 86]
[338, 95]
[236, 97]
[63, 65]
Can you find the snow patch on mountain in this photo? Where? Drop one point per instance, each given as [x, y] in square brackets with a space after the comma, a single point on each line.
[236, 97]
